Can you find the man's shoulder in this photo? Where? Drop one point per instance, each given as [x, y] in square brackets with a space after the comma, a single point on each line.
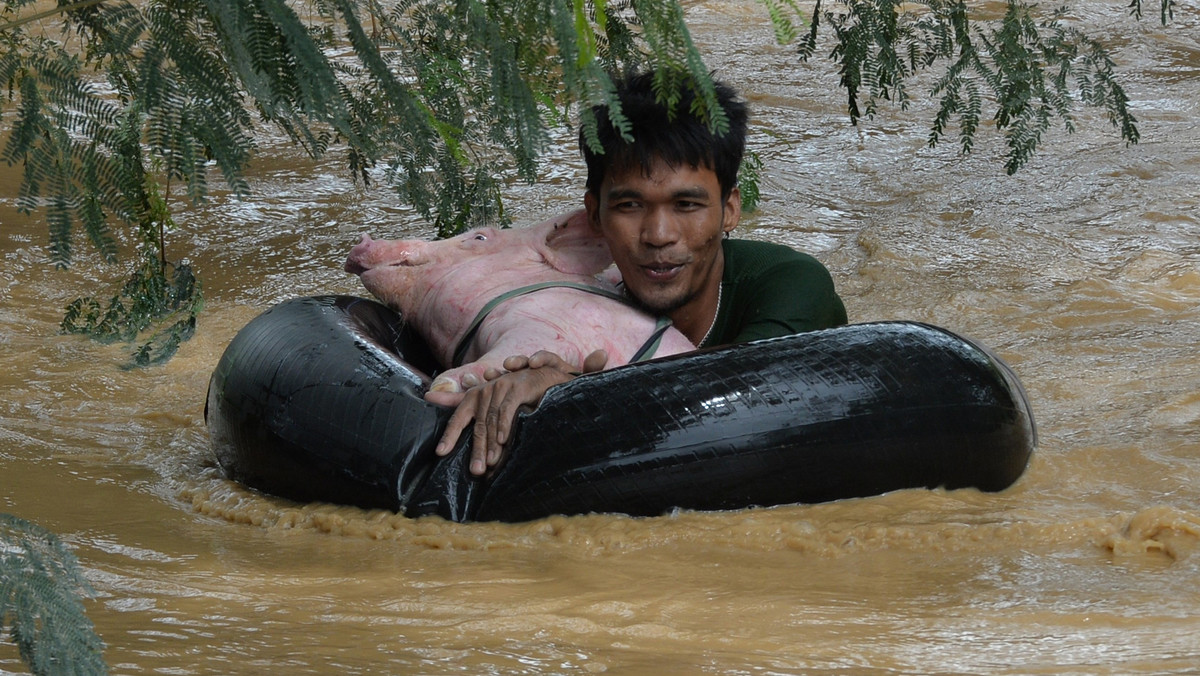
[773, 290]
[746, 257]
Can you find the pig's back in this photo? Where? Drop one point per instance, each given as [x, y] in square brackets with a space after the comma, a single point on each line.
[573, 322]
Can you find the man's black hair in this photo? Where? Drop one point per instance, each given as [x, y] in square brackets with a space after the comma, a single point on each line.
[679, 140]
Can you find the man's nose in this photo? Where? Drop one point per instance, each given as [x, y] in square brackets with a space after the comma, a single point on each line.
[659, 228]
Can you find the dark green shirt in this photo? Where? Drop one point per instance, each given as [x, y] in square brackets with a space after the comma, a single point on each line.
[770, 290]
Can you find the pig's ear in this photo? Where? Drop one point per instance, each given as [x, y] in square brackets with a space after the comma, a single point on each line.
[574, 247]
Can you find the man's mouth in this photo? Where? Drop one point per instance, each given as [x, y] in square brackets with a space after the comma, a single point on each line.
[661, 271]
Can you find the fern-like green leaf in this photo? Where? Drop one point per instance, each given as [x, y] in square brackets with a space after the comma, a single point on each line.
[1031, 71]
[40, 607]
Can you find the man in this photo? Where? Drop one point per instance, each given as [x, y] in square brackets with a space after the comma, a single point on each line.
[666, 203]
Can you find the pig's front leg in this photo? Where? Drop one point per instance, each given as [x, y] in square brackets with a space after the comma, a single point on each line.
[455, 381]
[451, 385]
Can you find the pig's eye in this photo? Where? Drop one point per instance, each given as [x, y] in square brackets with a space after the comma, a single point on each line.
[481, 237]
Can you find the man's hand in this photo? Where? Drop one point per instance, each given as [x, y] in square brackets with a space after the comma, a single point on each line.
[494, 405]
[541, 359]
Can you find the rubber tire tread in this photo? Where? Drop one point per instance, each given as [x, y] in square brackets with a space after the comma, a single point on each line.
[848, 412]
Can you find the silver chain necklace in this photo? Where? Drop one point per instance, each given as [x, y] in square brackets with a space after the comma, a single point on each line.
[720, 288]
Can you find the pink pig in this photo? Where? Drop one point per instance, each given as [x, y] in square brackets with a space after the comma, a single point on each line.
[443, 285]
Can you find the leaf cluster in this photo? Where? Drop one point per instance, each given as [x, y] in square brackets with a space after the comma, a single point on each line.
[449, 97]
[105, 99]
[1031, 69]
[40, 589]
[485, 81]
[157, 306]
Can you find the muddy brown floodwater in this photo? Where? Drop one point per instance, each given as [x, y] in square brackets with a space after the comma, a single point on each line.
[1083, 271]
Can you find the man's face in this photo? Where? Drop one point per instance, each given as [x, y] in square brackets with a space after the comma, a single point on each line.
[665, 230]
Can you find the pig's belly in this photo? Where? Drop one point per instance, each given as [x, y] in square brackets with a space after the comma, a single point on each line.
[321, 399]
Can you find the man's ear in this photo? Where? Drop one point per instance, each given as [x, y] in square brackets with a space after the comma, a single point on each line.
[573, 246]
[732, 212]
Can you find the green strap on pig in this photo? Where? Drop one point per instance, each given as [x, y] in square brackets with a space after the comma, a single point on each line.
[646, 351]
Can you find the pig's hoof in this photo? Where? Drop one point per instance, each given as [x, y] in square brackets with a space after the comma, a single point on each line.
[444, 384]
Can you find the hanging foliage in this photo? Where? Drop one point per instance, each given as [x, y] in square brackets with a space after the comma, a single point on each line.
[448, 97]
[1030, 67]
[156, 307]
[40, 607]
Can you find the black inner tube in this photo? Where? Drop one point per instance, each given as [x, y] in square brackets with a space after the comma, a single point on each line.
[321, 399]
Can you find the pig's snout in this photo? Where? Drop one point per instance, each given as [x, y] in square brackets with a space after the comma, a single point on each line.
[354, 262]
[369, 254]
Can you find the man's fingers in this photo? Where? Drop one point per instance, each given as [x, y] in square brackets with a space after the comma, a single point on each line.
[494, 406]
[543, 358]
[498, 418]
[496, 435]
[479, 442]
[516, 362]
[506, 413]
[462, 416]
[595, 361]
